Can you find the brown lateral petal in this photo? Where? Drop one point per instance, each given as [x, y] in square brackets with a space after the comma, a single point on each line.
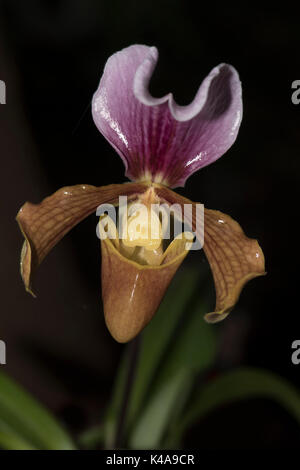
[132, 292]
[44, 225]
[233, 257]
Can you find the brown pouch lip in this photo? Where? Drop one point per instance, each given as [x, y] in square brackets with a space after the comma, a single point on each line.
[132, 292]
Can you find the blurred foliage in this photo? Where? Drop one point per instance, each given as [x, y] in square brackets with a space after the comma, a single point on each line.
[25, 423]
[172, 389]
[240, 384]
[163, 386]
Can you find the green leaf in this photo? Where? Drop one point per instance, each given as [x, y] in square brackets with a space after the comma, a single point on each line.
[13, 442]
[114, 408]
[92, 437]
[157, 336]
[25, 423]
[191, 353]
[177, 335]
[147, 434]
[195, 344]
[155, 340]
[240, 384]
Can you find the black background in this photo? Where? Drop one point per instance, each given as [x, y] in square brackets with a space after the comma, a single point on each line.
[52, 55]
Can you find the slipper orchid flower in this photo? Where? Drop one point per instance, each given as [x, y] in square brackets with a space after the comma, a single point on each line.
[161, 145]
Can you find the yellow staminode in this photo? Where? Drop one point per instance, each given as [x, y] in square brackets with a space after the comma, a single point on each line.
[141, 234]
[142, 228]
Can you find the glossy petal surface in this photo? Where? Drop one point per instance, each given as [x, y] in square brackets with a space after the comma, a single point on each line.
[44, 225]
[233, 257]
[157, 139]
[131, 292]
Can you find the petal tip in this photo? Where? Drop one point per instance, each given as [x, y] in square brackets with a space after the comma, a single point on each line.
[215, 317]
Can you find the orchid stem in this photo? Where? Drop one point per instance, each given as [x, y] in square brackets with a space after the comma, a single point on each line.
[134, 349]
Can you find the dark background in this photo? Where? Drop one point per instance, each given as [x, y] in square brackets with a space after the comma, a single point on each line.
[52, 55]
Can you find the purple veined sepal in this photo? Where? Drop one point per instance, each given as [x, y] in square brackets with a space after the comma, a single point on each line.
[156, 138]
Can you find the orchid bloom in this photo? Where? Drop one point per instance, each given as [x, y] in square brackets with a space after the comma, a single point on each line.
[161, 145]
